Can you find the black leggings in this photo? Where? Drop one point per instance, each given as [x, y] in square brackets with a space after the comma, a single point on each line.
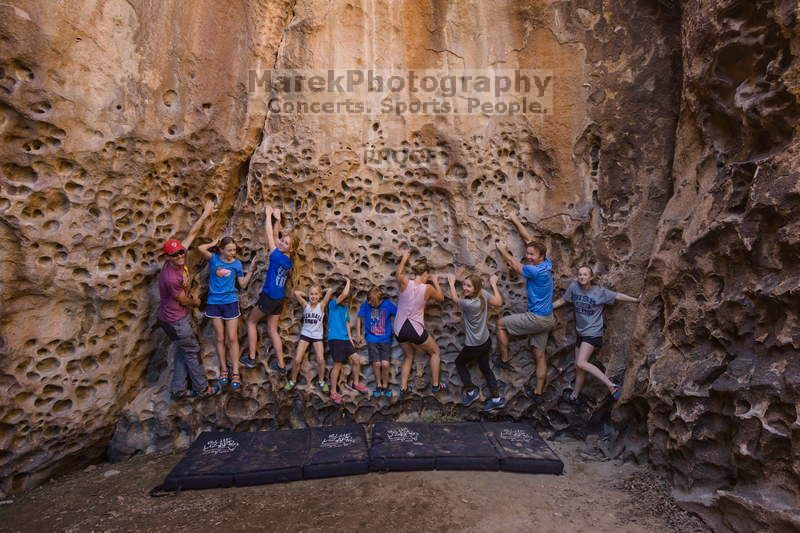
[470, 353]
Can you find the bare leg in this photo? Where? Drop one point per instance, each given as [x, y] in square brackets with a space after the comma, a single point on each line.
[253, 319]
[502, 340]
[432, 349]
[219, 334]
[277, 343]
[337, 367]
[376, 369]
[541, 369]
[355, 362]
[319, 351]
[232, 333]
[582, 363]
[299, 356]
[405, 370]
[385, 373]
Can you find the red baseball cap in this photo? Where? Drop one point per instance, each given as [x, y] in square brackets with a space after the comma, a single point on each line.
[172, 246]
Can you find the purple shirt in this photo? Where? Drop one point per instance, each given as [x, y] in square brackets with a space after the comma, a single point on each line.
[170, 284]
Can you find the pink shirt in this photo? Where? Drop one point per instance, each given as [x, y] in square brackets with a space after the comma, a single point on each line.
[411, 307]
[170, 284]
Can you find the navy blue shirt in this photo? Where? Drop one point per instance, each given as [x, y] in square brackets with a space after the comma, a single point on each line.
[378, 321]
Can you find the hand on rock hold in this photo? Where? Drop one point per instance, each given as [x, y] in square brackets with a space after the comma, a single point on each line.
[493, 279]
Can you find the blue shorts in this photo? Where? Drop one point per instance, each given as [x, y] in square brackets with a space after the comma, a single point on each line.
[223, 311]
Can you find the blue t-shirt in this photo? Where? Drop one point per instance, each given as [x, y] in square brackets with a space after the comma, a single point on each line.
[378, 321]
[539, 283]
[338, 317]
[277, 274]
[222, 280]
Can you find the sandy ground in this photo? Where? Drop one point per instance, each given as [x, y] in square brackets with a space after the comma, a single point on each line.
[593, 495]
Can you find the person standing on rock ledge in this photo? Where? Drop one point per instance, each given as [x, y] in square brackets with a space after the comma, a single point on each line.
[173, 316]
[589, 301]
[409, 323]
[270, 302]
[538, 320]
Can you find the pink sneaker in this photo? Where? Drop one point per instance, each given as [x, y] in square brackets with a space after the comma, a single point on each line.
[361, 388]
[336, 398]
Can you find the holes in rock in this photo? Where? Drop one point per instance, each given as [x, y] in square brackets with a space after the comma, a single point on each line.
[169, 98]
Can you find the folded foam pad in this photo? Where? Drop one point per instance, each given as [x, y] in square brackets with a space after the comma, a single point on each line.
[401, 446]
[337, 451]
[223, 459]
[272, 457]
[209, 463]
[521, 449]
[463, 446]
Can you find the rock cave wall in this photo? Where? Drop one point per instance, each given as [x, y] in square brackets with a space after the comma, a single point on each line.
[668, 152]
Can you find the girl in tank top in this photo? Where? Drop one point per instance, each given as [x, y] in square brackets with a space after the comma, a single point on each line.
[311, 332]
[409, 323]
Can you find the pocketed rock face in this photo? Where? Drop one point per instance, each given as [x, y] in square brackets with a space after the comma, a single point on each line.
[714, 388]
[118, 119]
[592, 179]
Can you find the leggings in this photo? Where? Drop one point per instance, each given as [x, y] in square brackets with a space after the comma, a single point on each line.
[470, 353]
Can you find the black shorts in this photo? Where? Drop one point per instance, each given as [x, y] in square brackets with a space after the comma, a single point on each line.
[407, 333]
[269, 306]
[597, 342]
[378, 351]
[309, 339]
[341, 350]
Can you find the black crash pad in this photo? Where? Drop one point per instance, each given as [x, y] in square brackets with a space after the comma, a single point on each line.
[463, 446]
[398, 446]
[337, 451]
[224, 459]
[521, 449]
[272, 457]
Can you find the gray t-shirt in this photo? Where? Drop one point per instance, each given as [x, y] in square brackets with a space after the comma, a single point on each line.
[589, 307]
[475, 319]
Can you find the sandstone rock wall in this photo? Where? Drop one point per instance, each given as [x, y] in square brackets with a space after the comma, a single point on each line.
[117, 120]
[592, 180]
[712, 391]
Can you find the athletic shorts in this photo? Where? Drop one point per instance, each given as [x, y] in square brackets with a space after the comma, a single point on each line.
[341, 350]
[407, 333]
[223, 311]
[309, 339]
[269, 306]
[537, 326]
[597, 342]
[378, 351]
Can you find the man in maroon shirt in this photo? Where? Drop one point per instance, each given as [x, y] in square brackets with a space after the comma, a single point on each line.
[173, 315]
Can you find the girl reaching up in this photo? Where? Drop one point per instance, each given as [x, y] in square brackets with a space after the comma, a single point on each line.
[311, 332]
[589, 301]
[222, 306]
[270, 302]
[409, 323]
[474, 307]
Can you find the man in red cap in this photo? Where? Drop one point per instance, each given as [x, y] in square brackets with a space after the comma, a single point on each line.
[173, 315]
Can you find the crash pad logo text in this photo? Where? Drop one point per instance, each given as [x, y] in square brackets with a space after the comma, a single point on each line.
[216, 447]
[403, 435]
[338, 440]
[516, 435]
